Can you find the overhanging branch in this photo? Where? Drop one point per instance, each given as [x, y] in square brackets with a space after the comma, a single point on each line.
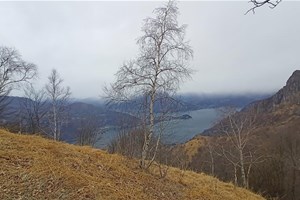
[256, 4]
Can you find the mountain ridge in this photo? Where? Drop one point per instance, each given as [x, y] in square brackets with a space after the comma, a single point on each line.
[288, 94]
[283, 105]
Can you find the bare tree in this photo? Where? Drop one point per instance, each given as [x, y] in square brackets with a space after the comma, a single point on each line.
[256, 4]
[13, 70]
[59, 99]
[34, 108]
[238, 127]
[159, 68]
[211, 151]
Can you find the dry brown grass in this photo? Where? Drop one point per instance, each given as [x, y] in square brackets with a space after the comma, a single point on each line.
[191, 147]
[32, 167]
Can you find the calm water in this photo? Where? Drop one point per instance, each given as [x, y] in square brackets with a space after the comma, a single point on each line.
[176, 131]
[179, 131]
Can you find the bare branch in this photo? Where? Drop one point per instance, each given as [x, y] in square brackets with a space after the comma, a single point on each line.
[256, 4]
[13, 71]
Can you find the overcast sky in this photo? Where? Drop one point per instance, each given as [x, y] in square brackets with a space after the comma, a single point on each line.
[88, 41]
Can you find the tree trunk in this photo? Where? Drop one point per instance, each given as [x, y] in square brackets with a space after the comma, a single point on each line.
[293, 184]
[235, 176]
[212, 161]
[148, 136]
[243, 174]
[55, 123]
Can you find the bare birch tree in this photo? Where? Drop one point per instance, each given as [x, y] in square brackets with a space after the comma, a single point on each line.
[161, 65]
[239, 152]
[13, 70]
[58, 98]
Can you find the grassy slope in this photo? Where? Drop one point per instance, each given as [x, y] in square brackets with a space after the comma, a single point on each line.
[191, 147]
[35, 168]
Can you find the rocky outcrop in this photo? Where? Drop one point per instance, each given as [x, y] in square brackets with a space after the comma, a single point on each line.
[287, 100]
[289, 94]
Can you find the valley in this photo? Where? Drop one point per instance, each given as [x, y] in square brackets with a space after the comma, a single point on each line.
[150, 100]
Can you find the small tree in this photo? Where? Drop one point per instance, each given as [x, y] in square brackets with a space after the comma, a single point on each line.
[59, 99]
[159, 68]
[238, 149]
[13, 70]
[33, 108]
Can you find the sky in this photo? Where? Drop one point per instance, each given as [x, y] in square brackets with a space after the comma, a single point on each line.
[87, 42]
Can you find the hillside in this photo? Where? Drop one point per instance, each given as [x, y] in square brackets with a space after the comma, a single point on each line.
[274, 136]
[36, 168]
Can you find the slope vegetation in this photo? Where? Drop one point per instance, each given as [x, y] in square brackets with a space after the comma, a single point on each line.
[32, 167]
[275, 136]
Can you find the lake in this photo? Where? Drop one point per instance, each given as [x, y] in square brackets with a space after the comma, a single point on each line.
[180, 131]
[176, 131]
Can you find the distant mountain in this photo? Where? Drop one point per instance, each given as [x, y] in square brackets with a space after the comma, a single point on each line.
[190, 102]
[13, 105]
[196, 101]
[92, 100]
[79, 112]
